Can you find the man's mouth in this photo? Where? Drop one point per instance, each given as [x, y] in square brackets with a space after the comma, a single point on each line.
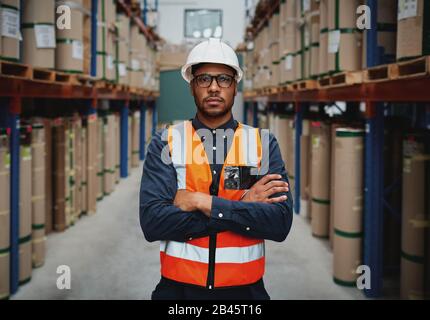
[214, 101]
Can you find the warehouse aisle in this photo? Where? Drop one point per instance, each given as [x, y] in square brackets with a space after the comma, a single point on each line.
[110, 259]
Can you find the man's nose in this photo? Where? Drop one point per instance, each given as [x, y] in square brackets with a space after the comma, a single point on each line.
[214, 86]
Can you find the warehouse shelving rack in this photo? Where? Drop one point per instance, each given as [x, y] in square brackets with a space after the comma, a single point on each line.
[13, 89]
[373, 95]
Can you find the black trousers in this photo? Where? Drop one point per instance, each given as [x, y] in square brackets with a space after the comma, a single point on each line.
[172, 290]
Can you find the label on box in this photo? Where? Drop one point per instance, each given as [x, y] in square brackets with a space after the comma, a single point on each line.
[45, 36]
[77, 50]
[407, 9]
[122, 70]
[333, 41]
[289, 62]
[10, 23]
[135, 64]
[306, 5]
[110, 62]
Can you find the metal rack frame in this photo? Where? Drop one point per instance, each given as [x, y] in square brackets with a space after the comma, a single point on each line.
[373, 94]
[14, 89]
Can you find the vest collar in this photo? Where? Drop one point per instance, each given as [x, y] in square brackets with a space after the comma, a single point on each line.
[230, 124]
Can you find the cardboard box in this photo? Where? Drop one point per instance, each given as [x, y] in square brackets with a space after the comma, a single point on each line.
[413, 33]
[38, 192]
[25, 208]
[344, 41]
[305, 165]
[59, 172]
[320, 188]
[413, 215]
[348, 204]
[91, 147]
[10, 38]
[100, 159]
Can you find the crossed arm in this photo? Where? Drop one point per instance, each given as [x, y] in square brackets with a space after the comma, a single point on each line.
[265, 212]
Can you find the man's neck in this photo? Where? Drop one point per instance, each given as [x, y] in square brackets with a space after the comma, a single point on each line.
[214, 123]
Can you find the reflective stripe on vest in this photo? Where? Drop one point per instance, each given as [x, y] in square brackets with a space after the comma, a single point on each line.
[239, 260]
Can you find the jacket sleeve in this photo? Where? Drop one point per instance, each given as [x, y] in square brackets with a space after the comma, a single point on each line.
[159, 218]
[257, 220]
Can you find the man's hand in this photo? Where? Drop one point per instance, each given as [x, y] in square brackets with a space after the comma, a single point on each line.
[191, 201]
[266, 187]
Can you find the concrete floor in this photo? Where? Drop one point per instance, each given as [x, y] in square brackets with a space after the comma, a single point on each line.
[110, 259]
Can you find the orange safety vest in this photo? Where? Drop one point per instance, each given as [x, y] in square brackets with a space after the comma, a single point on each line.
[238, 260]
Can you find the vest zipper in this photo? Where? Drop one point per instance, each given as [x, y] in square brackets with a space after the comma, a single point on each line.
[211, 270]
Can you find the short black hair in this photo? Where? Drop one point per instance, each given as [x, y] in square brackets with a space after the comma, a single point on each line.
[195, 67]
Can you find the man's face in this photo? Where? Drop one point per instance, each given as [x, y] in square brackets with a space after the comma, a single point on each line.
[214, 101]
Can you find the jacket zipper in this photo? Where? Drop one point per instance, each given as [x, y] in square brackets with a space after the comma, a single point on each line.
[211, 269]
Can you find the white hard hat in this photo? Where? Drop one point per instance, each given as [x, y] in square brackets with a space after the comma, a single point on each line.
[212, 50]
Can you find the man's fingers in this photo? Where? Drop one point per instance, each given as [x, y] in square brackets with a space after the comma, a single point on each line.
[275, 183]
[274, 190]
[278, 199]
[268, 178]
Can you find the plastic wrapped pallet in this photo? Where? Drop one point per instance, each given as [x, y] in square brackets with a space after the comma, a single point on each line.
[344, 40]
[320, 188]
[38, 32]
[415, 220]
[135, 160]
[10, 36]
[4, 215]
[348, 205]
[38, 192]
[69, 56]
[413, 32]
[25, 219]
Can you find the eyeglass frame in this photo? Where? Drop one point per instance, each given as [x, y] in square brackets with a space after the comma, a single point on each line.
[234, 78]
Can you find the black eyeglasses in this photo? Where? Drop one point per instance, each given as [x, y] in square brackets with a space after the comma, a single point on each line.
[205, 80]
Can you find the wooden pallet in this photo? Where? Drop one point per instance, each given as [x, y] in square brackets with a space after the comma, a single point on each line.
[41, 74]
[13, 69]
[66, 78]
[307, 85]
[324, 82]
[377, 74]
[346, 78]
[286, 88]
[86, 80]
[410, 69]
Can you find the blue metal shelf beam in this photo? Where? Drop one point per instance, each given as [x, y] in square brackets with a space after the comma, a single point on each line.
[94, 11]
[299, 128]
[154, 118]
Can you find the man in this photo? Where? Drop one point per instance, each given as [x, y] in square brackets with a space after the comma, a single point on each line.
[212, 190]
